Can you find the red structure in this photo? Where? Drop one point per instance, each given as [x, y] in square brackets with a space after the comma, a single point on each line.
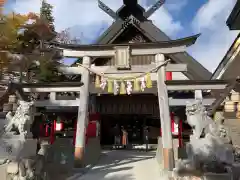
[168, 76]
[75, 134]
[91, 130]
[177, 129]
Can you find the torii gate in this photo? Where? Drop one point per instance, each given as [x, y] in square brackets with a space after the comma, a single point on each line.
[122, 53]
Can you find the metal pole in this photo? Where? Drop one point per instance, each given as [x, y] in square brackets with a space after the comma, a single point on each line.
[167, 143]
[82, 116]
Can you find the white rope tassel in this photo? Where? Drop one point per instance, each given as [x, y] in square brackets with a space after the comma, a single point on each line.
[143, 83]
[115, 87]
[129, 87]
[103, 83]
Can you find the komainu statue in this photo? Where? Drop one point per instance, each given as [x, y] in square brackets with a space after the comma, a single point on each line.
[201, 123]
[18, 148]
[13, 134]
[210, 148]
[20, 122]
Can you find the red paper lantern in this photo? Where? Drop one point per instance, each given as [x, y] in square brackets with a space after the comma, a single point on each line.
[59, 126]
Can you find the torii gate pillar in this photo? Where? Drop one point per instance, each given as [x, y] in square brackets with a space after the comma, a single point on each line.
[82, 117]
[167, 143]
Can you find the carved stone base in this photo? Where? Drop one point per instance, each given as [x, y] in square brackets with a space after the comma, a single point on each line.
[208, 150]
[10, 147]
[3, 170]
[15, 147]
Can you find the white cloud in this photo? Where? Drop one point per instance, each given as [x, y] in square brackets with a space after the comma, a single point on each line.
[176, 6]
[215, 37]
[78, 12]
[210, 21]
[25, 6]
[87, 13]
[163, 19]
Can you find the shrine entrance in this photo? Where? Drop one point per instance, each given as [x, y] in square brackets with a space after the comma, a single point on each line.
[131, 112]
[134, 125]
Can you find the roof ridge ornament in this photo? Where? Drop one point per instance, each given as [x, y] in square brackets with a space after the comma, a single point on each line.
[107, 10]
[131, 6]
[130, 20]
[153, 9]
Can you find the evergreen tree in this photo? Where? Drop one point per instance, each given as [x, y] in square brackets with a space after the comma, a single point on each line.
[46, 14]
[35, 37]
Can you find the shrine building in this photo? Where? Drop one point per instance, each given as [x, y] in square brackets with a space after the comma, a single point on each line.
[134, 76]
[139, 107]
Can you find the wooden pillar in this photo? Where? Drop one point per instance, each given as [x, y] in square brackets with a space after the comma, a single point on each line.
[167, 143]
[82, 116]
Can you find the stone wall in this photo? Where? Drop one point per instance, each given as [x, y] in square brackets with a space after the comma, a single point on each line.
[232, 116]
[233, 127]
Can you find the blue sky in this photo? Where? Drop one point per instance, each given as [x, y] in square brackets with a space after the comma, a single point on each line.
[177, 18]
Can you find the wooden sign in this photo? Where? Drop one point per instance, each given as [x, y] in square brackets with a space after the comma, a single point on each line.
[122, 57]
[128, 108]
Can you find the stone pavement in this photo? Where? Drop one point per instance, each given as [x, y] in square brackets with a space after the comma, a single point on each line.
[124, 165]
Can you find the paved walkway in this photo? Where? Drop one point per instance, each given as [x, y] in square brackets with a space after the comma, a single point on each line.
[124, 165]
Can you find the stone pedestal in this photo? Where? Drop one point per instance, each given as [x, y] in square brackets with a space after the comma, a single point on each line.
[10, 146]
[13, 147]
[210, 150]
[3, 172]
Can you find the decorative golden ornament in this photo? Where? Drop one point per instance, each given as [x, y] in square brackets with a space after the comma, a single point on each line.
[110, 86]
[148, 81]
[122, 88]
[97, 81]
[136, 85]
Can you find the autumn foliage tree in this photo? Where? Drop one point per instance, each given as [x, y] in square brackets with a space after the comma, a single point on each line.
[28, 35]
[11, 26]
[36, 37]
